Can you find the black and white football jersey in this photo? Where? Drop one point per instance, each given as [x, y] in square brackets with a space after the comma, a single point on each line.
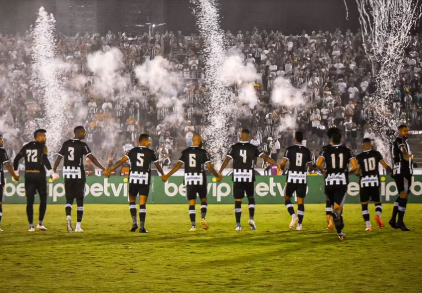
[195, 160]
[73, 152]
[141, 159]
[299, 157]
[244, 156]
[337, 160]
[369, 168]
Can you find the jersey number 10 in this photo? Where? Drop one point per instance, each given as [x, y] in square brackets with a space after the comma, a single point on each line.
[370, 164]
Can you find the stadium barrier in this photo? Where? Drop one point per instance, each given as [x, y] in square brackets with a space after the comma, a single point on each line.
[268, 190]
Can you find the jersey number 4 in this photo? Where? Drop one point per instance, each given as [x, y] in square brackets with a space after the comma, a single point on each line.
[32, 155]
[243, 155]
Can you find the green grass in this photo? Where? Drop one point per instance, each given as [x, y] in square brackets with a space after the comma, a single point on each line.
[108, 258]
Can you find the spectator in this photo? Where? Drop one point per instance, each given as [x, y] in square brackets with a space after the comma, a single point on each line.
[189, 130]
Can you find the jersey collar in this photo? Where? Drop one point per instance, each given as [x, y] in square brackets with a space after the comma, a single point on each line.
[243, 141]
[336, 145]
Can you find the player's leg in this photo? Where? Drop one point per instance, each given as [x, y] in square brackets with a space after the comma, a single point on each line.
[400, 188]
[192, 214]
[288, 193]
[79, 213]
[366, 217]
[364, 199]
[204, 205]
[378, 207]
[329, 213]
[250, 193]
[1, 206]
[68, 187]
[238, 194]
[301, 194]
[30, 190]
[191, 196]
[133, 193]
[143, 197]
[42, 191]
[339, 198]
[403, 203]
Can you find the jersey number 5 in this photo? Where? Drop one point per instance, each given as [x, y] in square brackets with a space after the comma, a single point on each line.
[32, 155]
[192, 160]
[140, 161]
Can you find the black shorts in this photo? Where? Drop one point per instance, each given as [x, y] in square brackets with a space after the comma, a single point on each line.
[34, 184]
[138, 189]
[193, 190]
[240, 188]
[336, 193]
[74, 188]
[403, 182]
[371, 193]
[291, 188]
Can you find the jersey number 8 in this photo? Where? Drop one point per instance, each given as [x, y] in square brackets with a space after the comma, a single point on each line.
[299, 159]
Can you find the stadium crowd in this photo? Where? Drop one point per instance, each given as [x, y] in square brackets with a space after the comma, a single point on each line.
[330, 67]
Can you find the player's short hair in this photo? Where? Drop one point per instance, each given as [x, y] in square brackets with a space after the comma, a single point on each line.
[39, 131]
[77, 129]
[246, 131]
[331, 131]
[367, 140]
[402, 126]
[336, 137]
[143, 137]
[299, 136]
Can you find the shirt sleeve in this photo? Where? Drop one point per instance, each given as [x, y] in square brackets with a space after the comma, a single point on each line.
[207, 158]
[3, 157]
[62, 151]
[155, 157]
[86, 150]
[286, 155]
[182, 158]
[258, 152]
[231, 153]
[127, 155]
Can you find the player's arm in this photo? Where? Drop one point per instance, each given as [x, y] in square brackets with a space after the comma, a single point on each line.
[9, 168]
[213, 171]
[268, 160]
[386, 166]
[283, 164]
[405, 153]
[47, 164]
[107, 172]
[354, 164]
[320, 164]
[18, 157]
[159, 169]
[96, 163]
[225, 163]
[57, 163]
[172, 171]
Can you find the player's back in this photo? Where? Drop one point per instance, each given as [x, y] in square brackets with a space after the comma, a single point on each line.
[33, 153]
[369, 167]
[337, 160]
[141, 159]
[194, 160]
[73, 152]
[244, 156]
[299, 156]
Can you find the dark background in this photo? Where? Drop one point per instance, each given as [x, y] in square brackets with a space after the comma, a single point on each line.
[73, 16]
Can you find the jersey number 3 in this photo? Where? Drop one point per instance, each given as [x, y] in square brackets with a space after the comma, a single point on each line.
[32, 155]
[71, 156]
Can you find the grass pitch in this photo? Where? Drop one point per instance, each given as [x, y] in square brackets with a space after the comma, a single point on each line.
[108, 258]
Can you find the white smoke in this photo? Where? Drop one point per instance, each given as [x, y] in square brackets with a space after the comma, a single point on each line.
[107, 68]
[158, 76]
